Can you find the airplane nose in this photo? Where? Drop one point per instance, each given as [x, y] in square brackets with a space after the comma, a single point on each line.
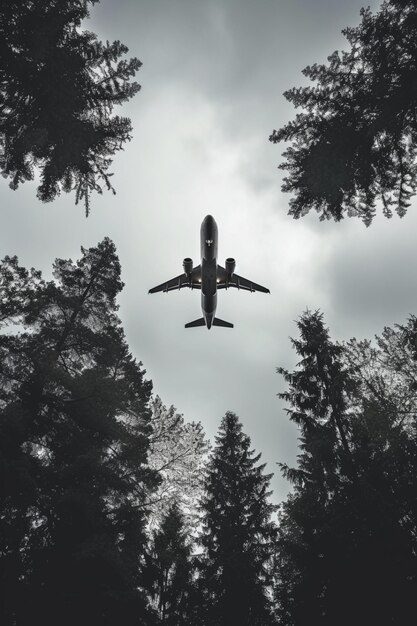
[209, 226]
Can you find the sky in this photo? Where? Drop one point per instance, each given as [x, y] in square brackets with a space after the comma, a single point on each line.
[213, 78]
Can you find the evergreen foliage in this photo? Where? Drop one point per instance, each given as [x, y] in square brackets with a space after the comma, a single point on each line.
[346, 550]
[170, 571]
[58, 88]
[74, 437]
[355, 141]
[238, 535]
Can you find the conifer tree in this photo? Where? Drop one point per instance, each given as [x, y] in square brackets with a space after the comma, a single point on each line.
[238, 534]
[355, 140]
[319, 392]
[170, 571]
[58, 88]
[346, 549]
[74, 433]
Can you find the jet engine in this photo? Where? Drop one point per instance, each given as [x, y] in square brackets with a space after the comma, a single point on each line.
[188, 266]
[230, 267]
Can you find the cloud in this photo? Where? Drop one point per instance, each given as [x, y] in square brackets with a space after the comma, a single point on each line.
[212, 84]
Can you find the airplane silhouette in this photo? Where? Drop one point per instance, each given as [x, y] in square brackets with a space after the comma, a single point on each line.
[209, 276]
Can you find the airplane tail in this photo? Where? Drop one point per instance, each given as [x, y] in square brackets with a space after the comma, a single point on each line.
[202, 322]
[199, 322]
[218, 322]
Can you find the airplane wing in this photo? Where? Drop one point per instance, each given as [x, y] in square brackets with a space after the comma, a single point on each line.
[237, 281]
[179, 282]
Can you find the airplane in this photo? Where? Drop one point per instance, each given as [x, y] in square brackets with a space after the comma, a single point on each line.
[209, 277]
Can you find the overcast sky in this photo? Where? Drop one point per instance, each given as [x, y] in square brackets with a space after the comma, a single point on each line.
[212, 81]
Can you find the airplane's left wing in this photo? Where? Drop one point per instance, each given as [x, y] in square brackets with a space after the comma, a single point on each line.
[238, 282]
[179, 282]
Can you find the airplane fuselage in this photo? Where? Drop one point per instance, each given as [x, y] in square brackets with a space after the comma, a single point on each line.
[208, 238]
[209, 276]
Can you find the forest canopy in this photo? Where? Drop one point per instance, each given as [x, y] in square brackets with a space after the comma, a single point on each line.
[354, 143]
[113, 507]
[58, 87]
[348, 531]
[80, 448]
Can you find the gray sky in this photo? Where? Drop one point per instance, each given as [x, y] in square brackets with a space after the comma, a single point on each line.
[212, 82]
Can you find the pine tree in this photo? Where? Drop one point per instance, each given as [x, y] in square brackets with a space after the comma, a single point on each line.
[58, 88]
[74, 433]
[238, 534]
[170, 570]
[354, 143]
[346, 549]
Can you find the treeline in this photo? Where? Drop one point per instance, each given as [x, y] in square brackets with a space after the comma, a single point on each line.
[99, 485]
[113, 509]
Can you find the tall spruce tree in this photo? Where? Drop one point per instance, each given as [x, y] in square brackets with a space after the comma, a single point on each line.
[355, 140]
[346, 550]
[58, 88]
[170, 571]
[319, 393]
[238, 534]
[74, 433]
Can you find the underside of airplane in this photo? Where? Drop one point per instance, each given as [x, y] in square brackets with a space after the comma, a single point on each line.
[209, 277]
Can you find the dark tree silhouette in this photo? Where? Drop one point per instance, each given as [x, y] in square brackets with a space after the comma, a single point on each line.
[320, 390]
[74, 437]
[238, 534]
[346, 549]
[355, 141]
[170, 571]
[58, 88]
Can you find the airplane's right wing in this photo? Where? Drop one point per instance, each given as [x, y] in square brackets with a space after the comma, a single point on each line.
[179, 282]
[238, 282]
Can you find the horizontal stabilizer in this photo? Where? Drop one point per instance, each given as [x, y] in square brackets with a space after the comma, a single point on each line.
[218, 322]
[200, 322]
